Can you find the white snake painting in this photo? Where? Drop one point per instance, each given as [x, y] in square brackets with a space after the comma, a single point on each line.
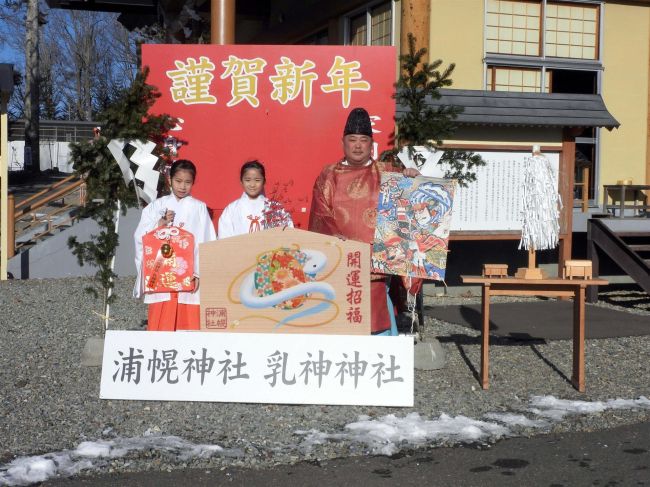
[261, 288]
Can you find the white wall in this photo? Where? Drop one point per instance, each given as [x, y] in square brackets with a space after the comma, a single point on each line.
[54, 155]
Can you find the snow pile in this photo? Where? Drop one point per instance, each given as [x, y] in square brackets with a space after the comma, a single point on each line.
[556, 409]
[93, 454]
[520, 420]
[386, 435]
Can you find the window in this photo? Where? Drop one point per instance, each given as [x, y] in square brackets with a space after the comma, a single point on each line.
[372, 26]
[514, 27]
[571, 31]
[548, 46]
[505, 78]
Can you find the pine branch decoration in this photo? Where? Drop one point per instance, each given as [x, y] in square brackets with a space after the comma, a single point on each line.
[424, 125]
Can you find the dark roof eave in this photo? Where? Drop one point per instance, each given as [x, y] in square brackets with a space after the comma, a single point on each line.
[509, 109]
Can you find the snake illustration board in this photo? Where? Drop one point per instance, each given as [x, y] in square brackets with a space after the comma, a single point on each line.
[288, 279]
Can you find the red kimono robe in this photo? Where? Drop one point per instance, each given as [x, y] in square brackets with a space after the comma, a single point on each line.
[345, 203]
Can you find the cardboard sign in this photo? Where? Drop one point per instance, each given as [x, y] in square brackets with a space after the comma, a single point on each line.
[168, 260]
[283, 105]
[259, 368]
[285, 281]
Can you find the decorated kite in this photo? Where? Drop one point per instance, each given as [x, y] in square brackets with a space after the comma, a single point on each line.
[412, 231]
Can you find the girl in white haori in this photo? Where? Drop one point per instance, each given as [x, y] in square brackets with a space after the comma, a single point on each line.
[252, 211]
[177, 310]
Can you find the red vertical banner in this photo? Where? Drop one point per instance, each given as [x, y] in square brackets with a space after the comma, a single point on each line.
[283, 105]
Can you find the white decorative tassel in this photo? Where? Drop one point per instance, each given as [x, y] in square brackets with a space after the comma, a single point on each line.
[541, 205]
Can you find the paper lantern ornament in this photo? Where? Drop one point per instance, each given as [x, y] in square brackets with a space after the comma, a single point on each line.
[168, 261]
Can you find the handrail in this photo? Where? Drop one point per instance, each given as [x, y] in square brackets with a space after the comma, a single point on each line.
[637, 193]
[46, 190]
[599, 235]
[54, 196]
[15, 215]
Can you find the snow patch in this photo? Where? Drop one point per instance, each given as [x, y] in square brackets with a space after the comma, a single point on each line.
[556, 409]
[92, 454]
[388, 434]
[385, 435]
[513, 419]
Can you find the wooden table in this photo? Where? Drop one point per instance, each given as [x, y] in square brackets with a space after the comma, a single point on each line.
[621, 194]
[509, 286]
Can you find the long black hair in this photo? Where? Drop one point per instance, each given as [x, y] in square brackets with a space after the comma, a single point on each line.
[252, 165]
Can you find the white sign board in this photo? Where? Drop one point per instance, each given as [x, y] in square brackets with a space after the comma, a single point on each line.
[258, 368]
[494, 201]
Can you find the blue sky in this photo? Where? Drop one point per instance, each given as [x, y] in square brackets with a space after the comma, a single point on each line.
[8, 55]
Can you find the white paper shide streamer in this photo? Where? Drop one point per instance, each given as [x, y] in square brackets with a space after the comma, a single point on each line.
[144, 160]
[541, 205]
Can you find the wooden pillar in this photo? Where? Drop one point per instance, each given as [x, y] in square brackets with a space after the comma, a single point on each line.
[566, 185]
[647, 127]
[222, 22]
[11, 226]
[4, 189]
[415, 20]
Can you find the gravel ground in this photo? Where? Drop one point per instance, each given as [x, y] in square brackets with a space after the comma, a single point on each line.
[50, 402]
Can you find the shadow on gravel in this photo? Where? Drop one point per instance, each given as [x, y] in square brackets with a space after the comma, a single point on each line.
[544, 320]
[460, 341]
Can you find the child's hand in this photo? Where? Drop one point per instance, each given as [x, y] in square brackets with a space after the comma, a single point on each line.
[195, 280]
[167, 218]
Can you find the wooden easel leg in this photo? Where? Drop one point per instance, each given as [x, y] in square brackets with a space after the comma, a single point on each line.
[485, 336]
[578, 378]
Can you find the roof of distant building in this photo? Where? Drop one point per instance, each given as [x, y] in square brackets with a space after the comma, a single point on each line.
[501, 108]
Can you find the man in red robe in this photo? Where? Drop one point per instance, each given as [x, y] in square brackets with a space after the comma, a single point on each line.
[344, 202]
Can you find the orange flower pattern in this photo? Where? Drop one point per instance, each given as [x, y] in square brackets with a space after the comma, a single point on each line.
[281, 269]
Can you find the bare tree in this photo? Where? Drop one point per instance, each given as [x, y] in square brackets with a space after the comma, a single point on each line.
[50, 83]
[100, 57]
[32, 80]
[85, 59]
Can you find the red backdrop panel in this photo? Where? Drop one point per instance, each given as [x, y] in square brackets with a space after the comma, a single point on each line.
[283, 105]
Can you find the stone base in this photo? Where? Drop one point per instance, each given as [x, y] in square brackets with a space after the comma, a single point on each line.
[429, 355]
[93, 352]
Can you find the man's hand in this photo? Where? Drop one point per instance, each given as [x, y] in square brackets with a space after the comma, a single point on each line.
[411, 172]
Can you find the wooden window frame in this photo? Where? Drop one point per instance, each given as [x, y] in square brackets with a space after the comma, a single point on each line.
[367, 9]
[598, 4]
